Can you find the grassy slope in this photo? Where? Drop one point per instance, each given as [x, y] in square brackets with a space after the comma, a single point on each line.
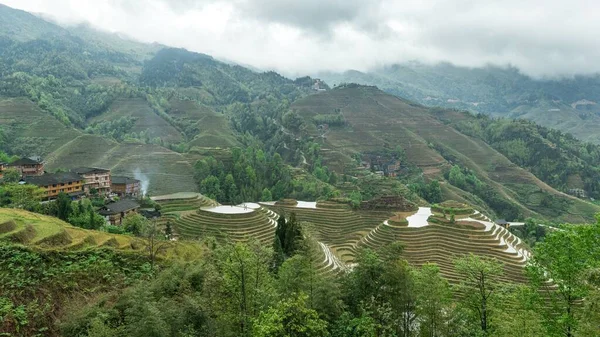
[168, 171]
[146, 119]
[377, 119]
[35, 131]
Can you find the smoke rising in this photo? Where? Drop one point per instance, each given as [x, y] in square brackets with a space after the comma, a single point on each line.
[144, 180]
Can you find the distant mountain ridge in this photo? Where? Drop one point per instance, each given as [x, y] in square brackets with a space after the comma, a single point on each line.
[570, 104]
[82, 97]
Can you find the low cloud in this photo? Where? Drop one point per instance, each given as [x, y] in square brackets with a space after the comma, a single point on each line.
[542, 38]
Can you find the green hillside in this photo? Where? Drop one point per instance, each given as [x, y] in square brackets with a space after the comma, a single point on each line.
[211, 129]
[167, 171]
[144, 120]
[23, 26]
[375, 120]
[570, 105]
[27, 129]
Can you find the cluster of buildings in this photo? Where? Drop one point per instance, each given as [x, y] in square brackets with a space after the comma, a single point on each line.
[77, 182]
[80, 182]
[381, 165]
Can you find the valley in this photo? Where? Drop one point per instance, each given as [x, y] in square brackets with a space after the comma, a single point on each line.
[149, 190]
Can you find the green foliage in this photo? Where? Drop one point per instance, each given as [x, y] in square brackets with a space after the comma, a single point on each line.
[33, 284]
[481, 288]
[566, 257]
[467, 180]
[24, 196]
[135, 224]
[289, 238]
[119, 129]
[431, 192]
[11, 175]
[329, 119]
[290, 318]
[553, 156]
[253, 175]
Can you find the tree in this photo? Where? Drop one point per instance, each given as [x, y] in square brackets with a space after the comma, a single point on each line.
[229, 189]
[299, 274]
[211, 187]
[457, 177]
[63, 203]
[480, 286]
[135, 224]
[11, 175]
[168, 230]
[434, 192]
[155, 241]
[238, 286]
[566, 257]
[433, 298]
[24, 196]
[266, 195]
[290, 318]
[288, 236]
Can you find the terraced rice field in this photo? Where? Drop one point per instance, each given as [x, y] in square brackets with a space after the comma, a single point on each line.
[183, 202]
[44, 232]
[334, 225]
[36, 132]
[441, 243]
[236, 223]
[340, 232]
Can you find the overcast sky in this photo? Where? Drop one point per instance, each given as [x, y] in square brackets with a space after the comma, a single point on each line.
[541, 38]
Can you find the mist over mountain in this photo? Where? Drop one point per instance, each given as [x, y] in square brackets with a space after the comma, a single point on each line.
[568, 104]
[159, 178]
[540, 38]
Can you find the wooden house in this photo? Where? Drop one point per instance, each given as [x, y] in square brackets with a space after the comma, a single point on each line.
[115, 212]
[94, 179]
[125, 186]
[55, 183]
[28, 167]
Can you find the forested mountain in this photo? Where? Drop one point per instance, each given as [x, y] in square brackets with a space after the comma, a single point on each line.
[481, 161]
[359, 213]
[82, 97]
[568, 104]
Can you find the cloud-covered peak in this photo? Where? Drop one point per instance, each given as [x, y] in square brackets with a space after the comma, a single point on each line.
[541, 38]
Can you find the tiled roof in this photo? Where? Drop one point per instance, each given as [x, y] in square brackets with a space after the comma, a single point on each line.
[86, 170]
[119, 206]
[120, 180]
[24, 161]
[53, 178]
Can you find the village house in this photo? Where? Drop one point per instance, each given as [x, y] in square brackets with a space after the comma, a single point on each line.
[116, 211]
[28, 167]
[503, 223]
[55, 183]
[94, 179]
[125, 186]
